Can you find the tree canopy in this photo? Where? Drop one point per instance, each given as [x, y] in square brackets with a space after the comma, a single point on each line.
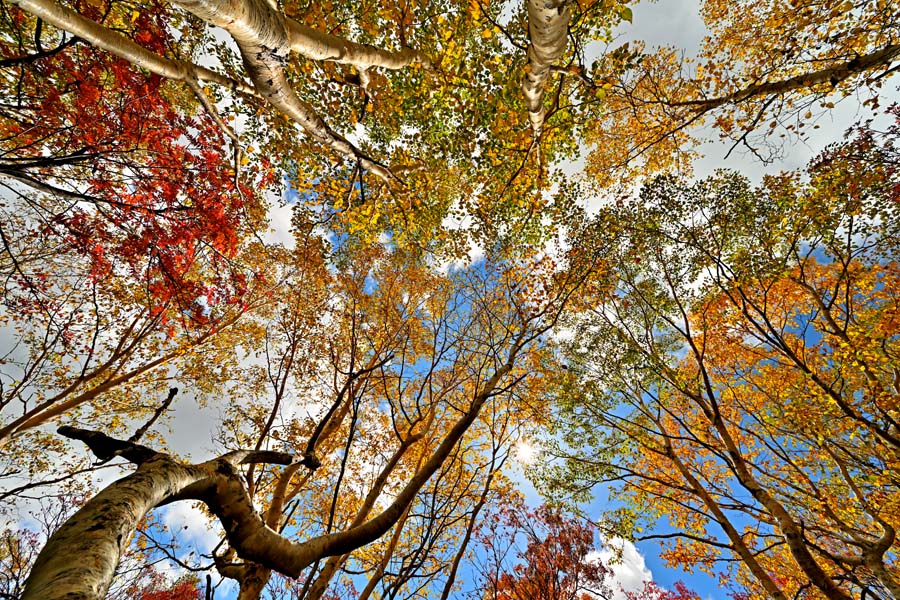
[392, 247]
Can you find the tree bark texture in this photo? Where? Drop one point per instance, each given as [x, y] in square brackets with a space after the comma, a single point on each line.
[265, 38]
[80, 559]
[833, 75]
[548, 26]
[115, 43]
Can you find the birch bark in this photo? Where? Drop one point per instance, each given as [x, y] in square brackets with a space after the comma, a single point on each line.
[265, 38]
[548, 25]
[115, 43]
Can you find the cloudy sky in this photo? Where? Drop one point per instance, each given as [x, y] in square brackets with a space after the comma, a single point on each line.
[667, 22]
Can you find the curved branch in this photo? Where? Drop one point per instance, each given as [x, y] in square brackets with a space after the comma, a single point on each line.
[318, 45]
[100, 531]
[265, 43]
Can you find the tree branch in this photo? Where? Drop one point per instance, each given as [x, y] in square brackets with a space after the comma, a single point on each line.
[121, 46]
[832, 75]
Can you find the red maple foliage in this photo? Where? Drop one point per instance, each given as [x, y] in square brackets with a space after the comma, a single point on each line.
[132, 174]
[183, 590]
[558, 561]
[555, 564]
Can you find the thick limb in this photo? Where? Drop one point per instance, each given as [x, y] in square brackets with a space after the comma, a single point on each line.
[548, 26]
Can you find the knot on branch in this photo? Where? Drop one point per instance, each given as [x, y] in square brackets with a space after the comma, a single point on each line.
[311, 461]
[106, 448]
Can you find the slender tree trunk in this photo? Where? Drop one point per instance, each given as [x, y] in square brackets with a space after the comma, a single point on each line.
[790, 529]
[464, 544]
[884, 576]
[832, 76]
[737, 541]
[320, 585]
[121, 46]
[376, 577]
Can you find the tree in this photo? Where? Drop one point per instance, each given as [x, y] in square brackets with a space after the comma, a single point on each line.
[479, 355]
[408, 134]
[764, 74]
[392, 71]
[18, 554]
[413, 344]
[107, 163]
[121, 224]
[555, 561]
[745, 366]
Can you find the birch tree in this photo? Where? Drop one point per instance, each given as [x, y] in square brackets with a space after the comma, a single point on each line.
[479, 332]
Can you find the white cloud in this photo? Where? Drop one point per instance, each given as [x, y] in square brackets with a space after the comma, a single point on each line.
[280, 215]
[627, 565]
[191, 526]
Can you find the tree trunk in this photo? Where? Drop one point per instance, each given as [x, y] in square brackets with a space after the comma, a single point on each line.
[264, 40]
[98, 533]
[747, 556]
[115, 43]
[80, 559]
[548, 27]
[320, 585]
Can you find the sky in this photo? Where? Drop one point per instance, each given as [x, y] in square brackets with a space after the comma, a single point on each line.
[667, 22]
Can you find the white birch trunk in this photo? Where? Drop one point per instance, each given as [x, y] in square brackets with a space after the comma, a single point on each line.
[80, 559]
[115, 43]
[262, 36]
[548, 26]
[318, 45]
[265, 38]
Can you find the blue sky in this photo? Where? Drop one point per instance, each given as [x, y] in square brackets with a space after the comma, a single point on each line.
[668, 22]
